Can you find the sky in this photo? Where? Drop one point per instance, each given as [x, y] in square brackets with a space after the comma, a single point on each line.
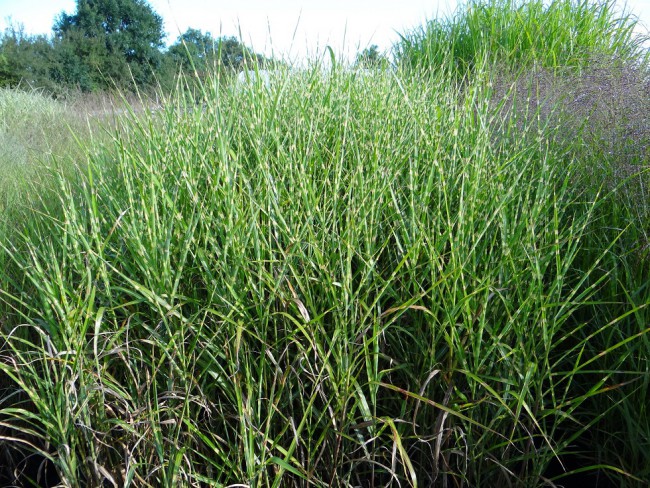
[292, 29]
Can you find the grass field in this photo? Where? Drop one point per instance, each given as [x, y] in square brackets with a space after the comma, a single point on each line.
[408, 279]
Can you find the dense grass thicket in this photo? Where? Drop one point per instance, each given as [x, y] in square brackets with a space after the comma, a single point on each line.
[342, 280]
[517, 34]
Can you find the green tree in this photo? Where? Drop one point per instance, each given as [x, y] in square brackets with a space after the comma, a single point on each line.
[233, 54]
[26, 60]
[371, 57]
[199, 51]
[5, 71]
[194, 51]
[109, 42]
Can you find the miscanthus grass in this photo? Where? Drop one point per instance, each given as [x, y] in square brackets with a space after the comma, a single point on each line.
[341, 280]
[517, 34]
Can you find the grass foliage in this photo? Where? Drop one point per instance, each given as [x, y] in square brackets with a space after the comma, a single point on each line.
[342, 280]
[33, 127]
[518, 33]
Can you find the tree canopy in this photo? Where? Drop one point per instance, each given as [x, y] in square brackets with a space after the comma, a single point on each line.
[197, 51]
[371, 57]
[26, 60]
[110, 42]
[113, 43]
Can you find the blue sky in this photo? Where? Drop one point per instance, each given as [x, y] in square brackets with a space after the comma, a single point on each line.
[293, 28]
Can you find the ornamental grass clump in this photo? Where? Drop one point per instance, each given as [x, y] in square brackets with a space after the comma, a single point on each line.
[332, 280]
[516, 34]
[329, 282]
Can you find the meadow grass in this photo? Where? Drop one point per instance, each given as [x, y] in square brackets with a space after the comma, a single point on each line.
[337, 281]
[41, 139]
[32, 128]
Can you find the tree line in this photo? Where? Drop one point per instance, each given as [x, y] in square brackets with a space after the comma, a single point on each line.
[109, 44]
